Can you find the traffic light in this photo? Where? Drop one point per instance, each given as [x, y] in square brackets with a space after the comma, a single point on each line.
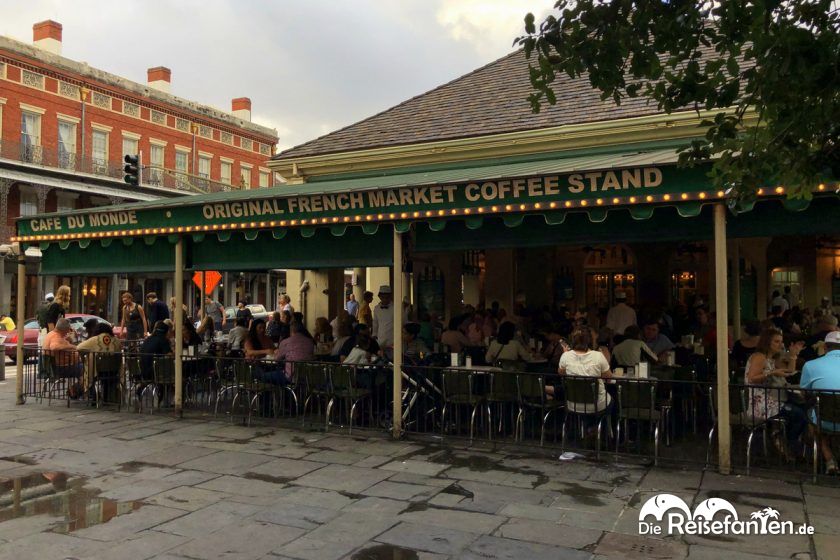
[132, 170]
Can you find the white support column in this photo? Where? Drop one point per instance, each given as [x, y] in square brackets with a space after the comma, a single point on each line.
[723, 428]
[179, 327]
[398, 342]
[21, 320]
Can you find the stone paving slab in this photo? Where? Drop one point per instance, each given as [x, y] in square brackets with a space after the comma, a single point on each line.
[306, 548]
[296, 515]
[225, 462]
[187, 498]
[547, 532]
[474, 522]
[430, 538]
[342, 478]
[495, 548]
[209, 519]
[242, 541]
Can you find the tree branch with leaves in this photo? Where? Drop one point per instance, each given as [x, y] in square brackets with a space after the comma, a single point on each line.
[767, 71]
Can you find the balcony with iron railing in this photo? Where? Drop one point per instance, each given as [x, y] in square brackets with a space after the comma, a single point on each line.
[60, 159]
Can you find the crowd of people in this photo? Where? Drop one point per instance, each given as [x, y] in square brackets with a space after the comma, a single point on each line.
[582, 342]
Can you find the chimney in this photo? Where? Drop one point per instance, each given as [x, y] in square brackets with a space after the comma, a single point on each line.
[241, 107]
[159, 78]
[47, 35]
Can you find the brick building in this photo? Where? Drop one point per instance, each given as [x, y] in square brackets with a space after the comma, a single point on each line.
[65, 128]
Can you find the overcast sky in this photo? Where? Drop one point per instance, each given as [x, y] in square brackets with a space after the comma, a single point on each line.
[309, 66]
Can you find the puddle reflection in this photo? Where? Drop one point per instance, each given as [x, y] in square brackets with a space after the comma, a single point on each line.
[55, 494]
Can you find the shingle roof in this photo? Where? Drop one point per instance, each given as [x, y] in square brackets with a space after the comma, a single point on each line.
[490, 100]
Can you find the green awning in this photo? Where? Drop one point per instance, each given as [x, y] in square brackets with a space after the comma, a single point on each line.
[107, 258]
[767, 219]
[266, 251]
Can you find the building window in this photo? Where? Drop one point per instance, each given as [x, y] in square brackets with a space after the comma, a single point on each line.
[181, 161]
[787, 278]
[227, 138]
[156, 164]
[68, 90]
[64, 203]
[226, 173]
[66, 145]
[100, 151]
[264, 179]
[181, 166]
[182, 124]
[28, 203]
[247, 144]
[204, 167]
[30, 136]
[131, 146]
[158, 117]
[245, 181]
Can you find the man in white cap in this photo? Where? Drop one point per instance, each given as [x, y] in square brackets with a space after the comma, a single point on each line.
[823, 374]
[621, 315]
[383, 321]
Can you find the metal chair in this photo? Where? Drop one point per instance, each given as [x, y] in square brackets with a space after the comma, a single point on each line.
[250, 389]
[637, 402]
[503, 392]
[740, 414]
[164, 372]
[107, 367]
[133, 376]
[316, 380]
[457, 387]
[58, 370]
[583, 392]
[531, 396]
[344, 387]
[826, 409]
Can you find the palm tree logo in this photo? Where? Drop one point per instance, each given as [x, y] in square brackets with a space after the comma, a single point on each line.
[763, 515]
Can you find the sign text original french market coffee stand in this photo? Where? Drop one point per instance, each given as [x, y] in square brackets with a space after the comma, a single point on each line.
[243, 210]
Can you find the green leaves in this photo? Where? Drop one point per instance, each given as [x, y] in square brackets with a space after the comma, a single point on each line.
[777, 58]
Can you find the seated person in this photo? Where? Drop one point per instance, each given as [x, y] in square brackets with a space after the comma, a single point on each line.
[555, 346]
[102, 341]
[345, 333]
[206, 329]
[631, 351]
[6, 323]
[156, 345]
[190, 335]
[823, 374]
[655, 340]
[506, 347]
[414, 349]
[65, 356]
[361, 354]
[353, 341]
[238, 334]
[454, 338]
[583, 361]
[297, 348]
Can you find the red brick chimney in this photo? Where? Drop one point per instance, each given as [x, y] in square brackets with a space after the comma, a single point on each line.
[159, 78]
[241, 107]
[47, 35]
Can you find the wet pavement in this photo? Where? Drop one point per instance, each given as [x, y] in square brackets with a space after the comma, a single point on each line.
[81, 483]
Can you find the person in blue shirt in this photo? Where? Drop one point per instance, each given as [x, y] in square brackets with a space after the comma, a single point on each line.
[352, 306]
[823, 374]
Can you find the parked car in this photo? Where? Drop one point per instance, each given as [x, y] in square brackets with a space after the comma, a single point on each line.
[258, 311]
[31, 330]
